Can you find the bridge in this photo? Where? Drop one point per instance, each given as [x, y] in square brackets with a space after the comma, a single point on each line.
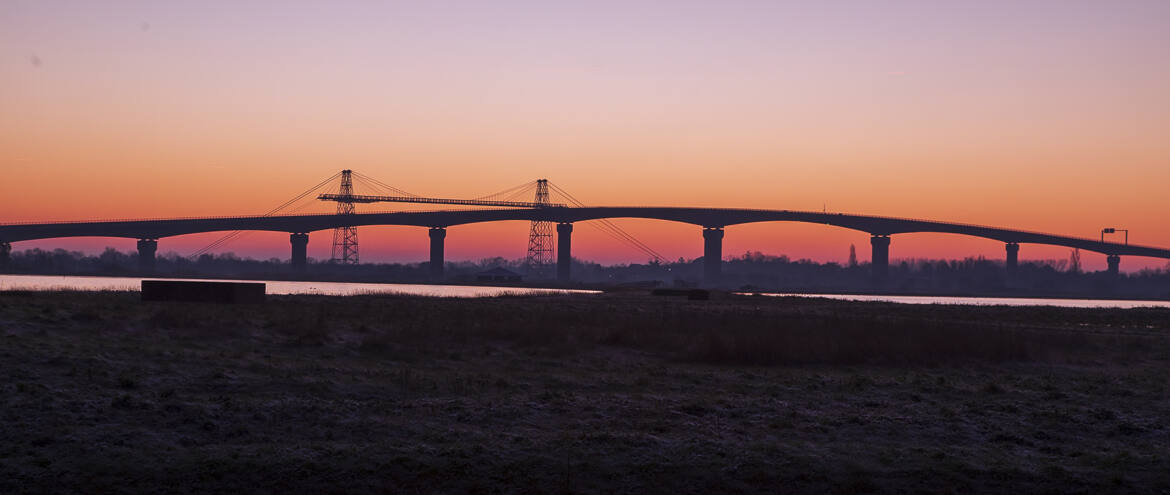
[710, 221]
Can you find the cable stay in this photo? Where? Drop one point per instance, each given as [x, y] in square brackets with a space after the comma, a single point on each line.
[609, 227]
[394, 191]
[527, 191]
[236, 234]
[511, 193]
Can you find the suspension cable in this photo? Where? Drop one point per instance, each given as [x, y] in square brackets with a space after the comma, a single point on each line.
[374, 188]
[520, 194]
[629, 238]
[614, 230]
[302, 195]
[388, 187]
[511, 190]
[625, 236]
[235, 234]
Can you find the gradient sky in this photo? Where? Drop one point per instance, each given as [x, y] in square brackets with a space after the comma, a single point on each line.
[1040, 115]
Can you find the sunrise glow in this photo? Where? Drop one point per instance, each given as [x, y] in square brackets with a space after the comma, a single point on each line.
[913, 109]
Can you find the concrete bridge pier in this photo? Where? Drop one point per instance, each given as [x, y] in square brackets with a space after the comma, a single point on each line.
[146, 251]
[438, 234]
[5, 252]
[712, 254]
[880, 257]
[1113, 263]
[564, 251]
[300, 251]
[1013, 258]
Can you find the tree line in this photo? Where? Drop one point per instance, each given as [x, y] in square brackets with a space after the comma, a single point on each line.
[751, 271]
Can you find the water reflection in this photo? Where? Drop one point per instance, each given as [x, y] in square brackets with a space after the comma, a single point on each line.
[991, 301]
[56, 282]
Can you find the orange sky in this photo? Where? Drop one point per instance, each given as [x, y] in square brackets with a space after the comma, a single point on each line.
[1051, 116]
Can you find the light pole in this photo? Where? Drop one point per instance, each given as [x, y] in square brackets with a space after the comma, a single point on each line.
[1111, 230]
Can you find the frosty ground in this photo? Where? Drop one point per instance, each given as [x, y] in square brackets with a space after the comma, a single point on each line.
[578, 393]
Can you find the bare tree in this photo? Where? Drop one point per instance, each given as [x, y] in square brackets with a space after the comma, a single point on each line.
[1074, 261]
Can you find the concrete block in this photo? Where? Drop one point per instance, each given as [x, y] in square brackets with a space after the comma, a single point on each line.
[198, 291]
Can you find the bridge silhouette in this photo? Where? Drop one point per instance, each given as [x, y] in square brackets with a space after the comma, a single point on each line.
[711, 222]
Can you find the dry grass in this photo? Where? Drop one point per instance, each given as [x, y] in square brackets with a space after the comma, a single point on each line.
[580, 394]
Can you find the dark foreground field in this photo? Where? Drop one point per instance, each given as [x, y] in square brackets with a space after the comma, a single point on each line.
[608, 393]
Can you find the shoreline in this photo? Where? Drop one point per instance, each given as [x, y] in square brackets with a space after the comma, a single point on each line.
[622, 289]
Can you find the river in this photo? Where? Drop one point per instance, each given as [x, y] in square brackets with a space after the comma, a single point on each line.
[989, 301]
[59, 282]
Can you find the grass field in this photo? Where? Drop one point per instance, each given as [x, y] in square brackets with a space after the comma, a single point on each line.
[581, 393]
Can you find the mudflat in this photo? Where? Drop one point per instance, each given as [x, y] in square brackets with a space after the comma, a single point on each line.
[578, 393]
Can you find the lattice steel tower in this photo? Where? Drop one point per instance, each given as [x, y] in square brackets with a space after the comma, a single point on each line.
[345, 240]
[540, 238]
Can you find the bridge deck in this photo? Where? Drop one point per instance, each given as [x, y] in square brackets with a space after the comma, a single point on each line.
[707, 217]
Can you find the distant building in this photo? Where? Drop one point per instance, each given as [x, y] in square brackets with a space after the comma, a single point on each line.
[497, 274]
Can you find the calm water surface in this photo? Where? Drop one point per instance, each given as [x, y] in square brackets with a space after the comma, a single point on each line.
[991, 301]
[54, 282]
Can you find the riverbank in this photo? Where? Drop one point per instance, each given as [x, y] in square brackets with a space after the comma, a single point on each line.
[579, 393]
